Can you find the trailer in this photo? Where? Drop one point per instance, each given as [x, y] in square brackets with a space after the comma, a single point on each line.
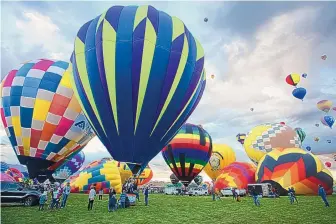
[263, 189]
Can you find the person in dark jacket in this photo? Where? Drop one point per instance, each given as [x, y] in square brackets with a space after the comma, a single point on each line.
[112, 204]
[322, 193]
[135, 191]
[146, 192]
[255, 196]
[294, 196]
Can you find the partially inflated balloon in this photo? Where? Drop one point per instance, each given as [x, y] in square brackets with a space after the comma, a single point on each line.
[329, 121]
[71, 166]
[42, 118]
[188, 152]
[293, 79]
[299, 93]
[222, 156]
[324, 105]
[138, 74]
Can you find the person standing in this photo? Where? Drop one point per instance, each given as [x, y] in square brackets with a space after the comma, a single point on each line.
[112, 206]
[66, 192]
[122, 199]
[290, 195]
[146, 192]
[55, 194]
[294, 196]
[100, 194]
[135, 190]
[255, 196]
[213, 191]
[92, 195]
[322, 193]
[233, 193]
[43, 199]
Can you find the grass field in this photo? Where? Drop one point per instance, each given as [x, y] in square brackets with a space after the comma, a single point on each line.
[180, 209]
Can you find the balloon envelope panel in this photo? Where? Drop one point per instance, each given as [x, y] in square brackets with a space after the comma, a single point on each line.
[188, 152]
[237, 175]
[42, 118]
[71, 166]
[222, 156]
[138, 74]
[103, 175]
[124, 171]
[263, 138]
[6, 177]
[294, 167]
[145, 176]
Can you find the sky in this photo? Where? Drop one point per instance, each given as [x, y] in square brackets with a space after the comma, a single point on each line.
[250, 47]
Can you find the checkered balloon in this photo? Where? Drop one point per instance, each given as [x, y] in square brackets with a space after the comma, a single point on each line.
[42, 118]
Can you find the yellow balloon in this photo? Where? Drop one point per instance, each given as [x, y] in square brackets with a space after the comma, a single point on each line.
[264, 138]
[125, 172]
[222, 156]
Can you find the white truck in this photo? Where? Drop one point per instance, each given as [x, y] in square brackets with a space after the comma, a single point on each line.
[197, 192]
[228, 191]
[263, 189]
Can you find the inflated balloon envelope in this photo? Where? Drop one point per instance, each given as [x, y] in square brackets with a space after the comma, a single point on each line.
[138, 75]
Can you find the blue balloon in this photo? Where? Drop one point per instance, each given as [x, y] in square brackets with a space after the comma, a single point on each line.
[299, 93]
[304, 75]
[329, 120]
[308, 148]
[4, 167]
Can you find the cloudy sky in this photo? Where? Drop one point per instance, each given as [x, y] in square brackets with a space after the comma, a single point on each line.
[250, 48]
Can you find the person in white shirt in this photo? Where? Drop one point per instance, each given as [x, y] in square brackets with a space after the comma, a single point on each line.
[92, 195]
[66, 192]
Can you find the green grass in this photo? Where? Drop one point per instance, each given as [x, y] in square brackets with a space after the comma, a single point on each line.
[180, 209]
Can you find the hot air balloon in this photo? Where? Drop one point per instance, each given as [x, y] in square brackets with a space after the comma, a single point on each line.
[324, 57]
[42, 118]
[316, 139]
[317, 125]
[212, 76]
[198, 179]
[205, 19]
[329, 141]
[6, 177]
[324, 105]
[304, 75]
[222, 156]
[282, 123]
[252, 109]
[102, 174]
[124, 171]
[188, 152]
[328, 121]
[264, 138]
[301, 134]
[15, 174]
[237, 175]
[328, 164]
[71, 166]
[138, 74]
[299, 93]
[241, 138]
[334, 108]
[308, 148]
[4, 167]
[294, 167]
[145, 176]
[173, 179]
[293, 79]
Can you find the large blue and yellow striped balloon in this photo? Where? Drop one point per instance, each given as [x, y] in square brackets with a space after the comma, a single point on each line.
[138, 74]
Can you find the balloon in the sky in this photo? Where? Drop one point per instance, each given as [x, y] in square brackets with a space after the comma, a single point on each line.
[282, 123]
[304, 75]
[324, 57]
[198, 179]
[145, 176]
[301, 134]
[102, 174]
[294, 167]
[324, 105]
[222, 156]
[212, 76]
[241, 138]
[124, 171]
[173, 179]
[293, 79]
[138, 74]
[329, 141]
[317, 125]
[308, 148]
[328, 121]
[71, 166]
[316, 139]
[328, 164]
[299, 93]
[188, 152]
[264, 138]
[4, 167]
[42, 118]
[251, 109]
[205, 19]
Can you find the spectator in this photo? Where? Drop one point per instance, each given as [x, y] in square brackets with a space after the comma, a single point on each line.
[100, 194]
[146, 192]
[255, 196]
[66, 192]
[122, 199]
[92, 196]
[136, 192]
[322, 193]
[112, 206]
[43, 199]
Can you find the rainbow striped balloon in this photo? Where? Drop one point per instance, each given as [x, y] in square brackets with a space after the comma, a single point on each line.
[188, 153]
[138, 75]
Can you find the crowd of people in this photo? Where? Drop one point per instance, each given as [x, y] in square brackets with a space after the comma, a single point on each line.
[59, 195]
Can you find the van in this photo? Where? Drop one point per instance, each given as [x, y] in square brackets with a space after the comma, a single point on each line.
[228, 191]
[263, 189]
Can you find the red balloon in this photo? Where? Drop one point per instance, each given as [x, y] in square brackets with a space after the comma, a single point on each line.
[282, 123]
[328, 164]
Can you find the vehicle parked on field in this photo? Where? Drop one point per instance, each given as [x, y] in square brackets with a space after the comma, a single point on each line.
[197, 192]
[228, 191]
[14, 192]
[263, 189]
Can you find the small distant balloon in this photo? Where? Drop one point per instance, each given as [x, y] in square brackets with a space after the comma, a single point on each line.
[334, 108]
[329, 141]
[328, 164]
[282, 123]
[316, 139]
[299, 93]
[304, 75]
[324, 57]
[329, 121]
[251, 109]
[293, 79]
[317, 125]
[324, 105]
[308, 148]
[212, 76]
[205, 19]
